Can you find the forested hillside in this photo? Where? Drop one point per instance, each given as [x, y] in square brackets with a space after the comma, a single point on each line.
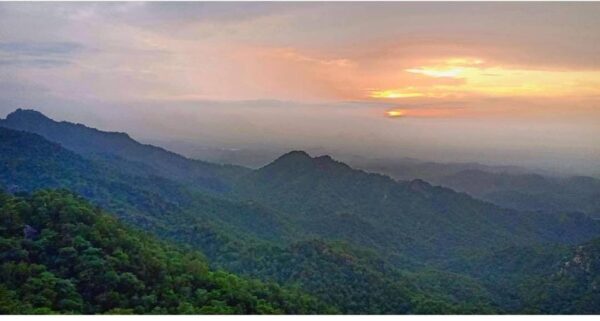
[355, 241]
[61, 255]
[241, 249]
[332, 200]
[123, 150]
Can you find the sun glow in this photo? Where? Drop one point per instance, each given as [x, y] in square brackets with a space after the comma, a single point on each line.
[462, 61]
[394, 94]
[395, 113]
[437, 73]
[427, 112]
[446, 68]
[477, 78]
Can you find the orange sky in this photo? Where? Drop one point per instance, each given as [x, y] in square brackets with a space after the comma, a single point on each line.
[346, 63]
[391, 52]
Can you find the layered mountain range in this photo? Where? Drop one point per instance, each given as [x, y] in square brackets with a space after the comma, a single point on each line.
[507, 186]
[358, 242]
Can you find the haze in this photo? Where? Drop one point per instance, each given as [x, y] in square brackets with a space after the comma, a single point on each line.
[501, 83]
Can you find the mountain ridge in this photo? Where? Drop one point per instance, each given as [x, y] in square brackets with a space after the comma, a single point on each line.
[262, 226]
[93, 142]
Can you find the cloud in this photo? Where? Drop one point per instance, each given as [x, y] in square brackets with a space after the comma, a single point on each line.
[116, 52]
[40, 48]
[38, 54]
[40, 63]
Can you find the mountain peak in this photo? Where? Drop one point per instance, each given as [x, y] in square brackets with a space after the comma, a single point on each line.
[299, 161]
[295, 154]
[324, 158]
[26, 115]
[297, 157]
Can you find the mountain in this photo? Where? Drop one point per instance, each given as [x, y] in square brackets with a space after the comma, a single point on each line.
[530, 191]
[119, 146]
[406, 168]
[62, 255]
[332, 200]
[311, 194]
[29, 162]
[229, 233]
[357, 241]
[507, 186]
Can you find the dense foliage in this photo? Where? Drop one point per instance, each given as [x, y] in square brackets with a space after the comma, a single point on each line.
[330, 199]
[574, 289]
[61, 255]
[358, 281]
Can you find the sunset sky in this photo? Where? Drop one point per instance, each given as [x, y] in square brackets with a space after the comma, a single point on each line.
[491, 82]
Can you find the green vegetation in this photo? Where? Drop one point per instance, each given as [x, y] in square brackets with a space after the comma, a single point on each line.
[358, 242]
[574, 289]
[420, 221]
[61, 255]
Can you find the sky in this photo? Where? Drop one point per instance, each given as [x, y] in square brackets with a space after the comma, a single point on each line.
[499, 83]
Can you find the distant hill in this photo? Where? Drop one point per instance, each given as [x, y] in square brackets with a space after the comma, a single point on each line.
[406, 168]
[530, 191]
[507, 186]
[119, 146]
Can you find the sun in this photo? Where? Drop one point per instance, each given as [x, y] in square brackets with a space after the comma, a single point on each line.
[395, 113]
